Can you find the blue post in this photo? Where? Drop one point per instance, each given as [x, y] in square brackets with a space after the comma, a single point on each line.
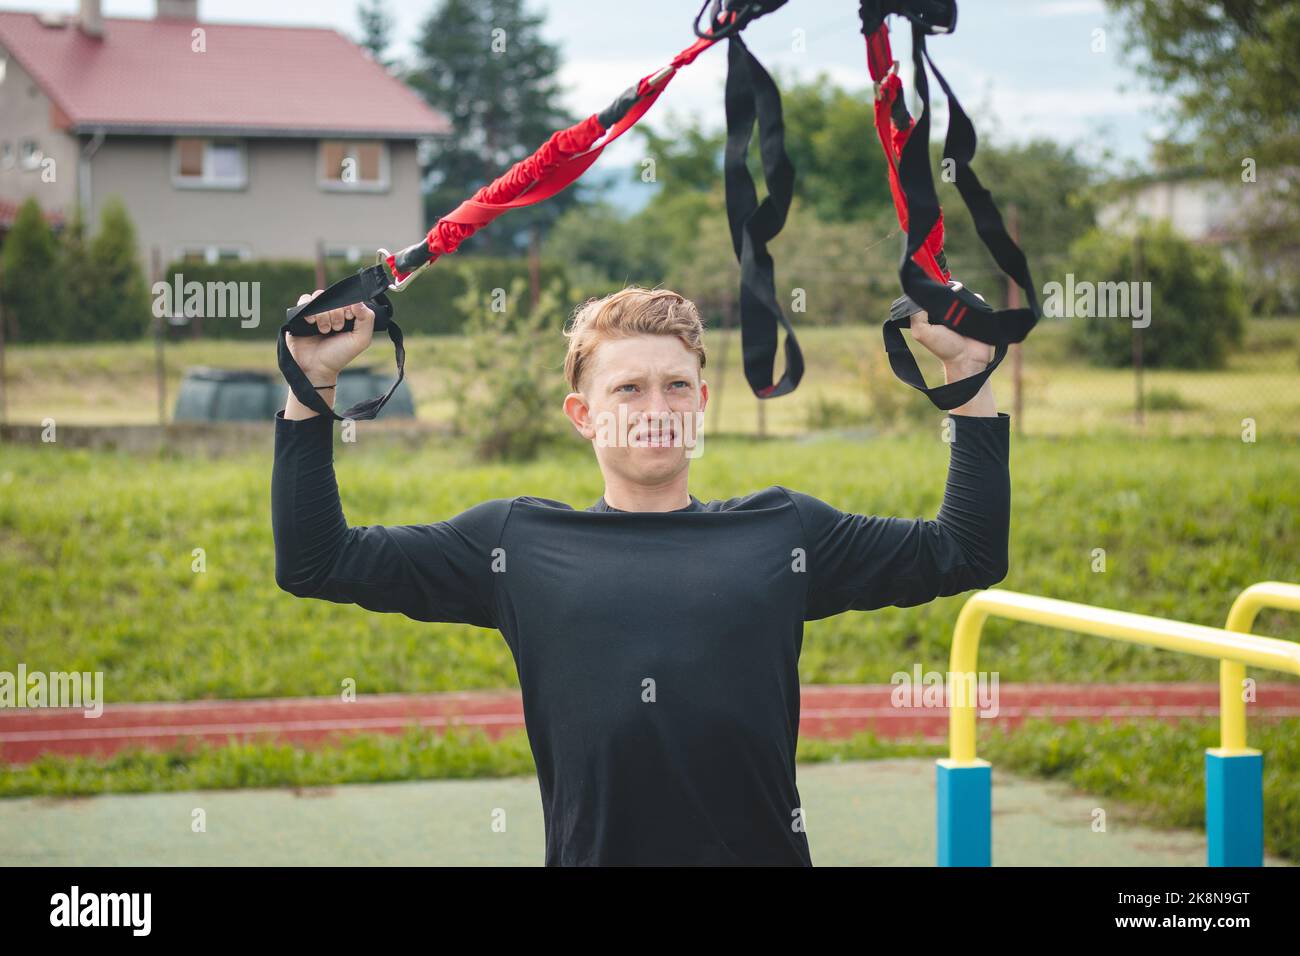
[1234, 807]
[965, 813]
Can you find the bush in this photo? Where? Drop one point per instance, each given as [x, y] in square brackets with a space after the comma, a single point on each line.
[825, 413]
[119, 305]
[507, 393]
[30, 292]
[1167, 400]
[893, 403]
[72, 289]
[1196, 305]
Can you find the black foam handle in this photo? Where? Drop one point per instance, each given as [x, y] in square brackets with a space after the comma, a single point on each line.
[367, 285]
[299, 326]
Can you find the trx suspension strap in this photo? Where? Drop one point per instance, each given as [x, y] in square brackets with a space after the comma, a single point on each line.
[752, 96]
[560, 161]
[923, 271]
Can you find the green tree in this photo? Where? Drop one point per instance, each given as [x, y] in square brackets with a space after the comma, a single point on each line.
[507, 392]
[830, 136]
[600, 246]
[685, 155]
[1232, 68]
[80, 283]
[485, 64]
[119, 305]
[376, 30]
[608, 248]
[33, 300]
[1196, 304]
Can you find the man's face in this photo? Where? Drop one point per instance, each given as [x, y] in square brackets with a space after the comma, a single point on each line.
[639, 407]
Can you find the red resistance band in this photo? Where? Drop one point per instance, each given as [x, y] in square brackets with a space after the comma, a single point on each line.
[889, 88]
[560, 160]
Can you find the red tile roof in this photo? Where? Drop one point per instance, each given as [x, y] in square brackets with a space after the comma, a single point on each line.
[141, 76]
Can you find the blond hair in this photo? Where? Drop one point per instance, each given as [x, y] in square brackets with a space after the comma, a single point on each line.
[630, 311]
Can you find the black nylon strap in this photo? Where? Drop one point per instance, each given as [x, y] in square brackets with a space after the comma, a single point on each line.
[615, 111]
[959, 146]
[958, 308]
[751, 95]
[367, 285]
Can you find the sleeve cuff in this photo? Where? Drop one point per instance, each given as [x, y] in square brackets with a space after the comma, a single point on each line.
[988, 434]
[304, 428]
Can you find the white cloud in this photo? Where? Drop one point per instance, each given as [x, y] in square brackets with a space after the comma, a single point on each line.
[1069, 8]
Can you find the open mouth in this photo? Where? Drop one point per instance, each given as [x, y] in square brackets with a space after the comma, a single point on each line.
[665, 436]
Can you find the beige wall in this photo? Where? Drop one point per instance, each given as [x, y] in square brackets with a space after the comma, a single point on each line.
[281, 212]
[25, 114]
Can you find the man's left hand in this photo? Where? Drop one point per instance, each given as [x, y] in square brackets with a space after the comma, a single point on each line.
[951, 347]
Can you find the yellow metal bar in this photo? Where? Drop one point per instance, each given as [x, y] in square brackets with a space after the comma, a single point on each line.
[1232, 674]
[1266, 652]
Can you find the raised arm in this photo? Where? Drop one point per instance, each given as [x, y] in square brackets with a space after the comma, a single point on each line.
[862, 562]
[432, 572]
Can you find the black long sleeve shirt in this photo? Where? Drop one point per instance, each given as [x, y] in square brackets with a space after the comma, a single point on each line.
[657, 653]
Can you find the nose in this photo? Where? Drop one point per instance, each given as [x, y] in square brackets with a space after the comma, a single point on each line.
[658, 403]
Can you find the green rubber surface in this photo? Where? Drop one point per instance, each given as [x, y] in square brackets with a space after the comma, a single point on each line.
[878, 812]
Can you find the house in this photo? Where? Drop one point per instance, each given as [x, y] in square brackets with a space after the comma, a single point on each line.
[1244, 217]
[224, 141]
[1198, 208]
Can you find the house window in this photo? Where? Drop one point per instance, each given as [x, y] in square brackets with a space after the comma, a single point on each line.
[31, 155]
[7, 155]
[353, 165]
[210, 164]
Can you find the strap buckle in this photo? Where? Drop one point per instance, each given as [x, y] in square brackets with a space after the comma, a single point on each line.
[659, 77]
[398, 284]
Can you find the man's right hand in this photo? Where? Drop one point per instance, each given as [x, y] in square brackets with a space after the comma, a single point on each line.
[331, 351]
[322, 357]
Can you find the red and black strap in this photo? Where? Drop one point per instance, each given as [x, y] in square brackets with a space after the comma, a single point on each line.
[751, 97]
[556, 164]
[923, 270]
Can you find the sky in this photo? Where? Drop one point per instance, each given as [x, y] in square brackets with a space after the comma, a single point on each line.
[1022, 68]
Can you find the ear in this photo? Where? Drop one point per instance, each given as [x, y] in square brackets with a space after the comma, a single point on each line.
[704, 395]
[579, 412]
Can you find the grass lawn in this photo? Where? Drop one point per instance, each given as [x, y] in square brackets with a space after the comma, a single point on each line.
[96, 550]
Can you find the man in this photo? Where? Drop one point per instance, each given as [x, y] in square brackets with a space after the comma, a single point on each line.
[656, 637]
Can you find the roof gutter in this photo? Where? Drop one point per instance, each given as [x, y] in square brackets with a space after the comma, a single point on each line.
[83, 171]
[251, 132]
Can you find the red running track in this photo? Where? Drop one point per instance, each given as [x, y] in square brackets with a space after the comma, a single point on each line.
[828, 711]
